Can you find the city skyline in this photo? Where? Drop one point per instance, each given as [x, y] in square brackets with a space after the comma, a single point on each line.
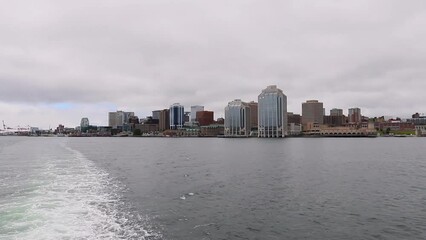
[62, 61]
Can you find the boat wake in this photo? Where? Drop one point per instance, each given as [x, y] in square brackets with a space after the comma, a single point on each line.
[71, 198]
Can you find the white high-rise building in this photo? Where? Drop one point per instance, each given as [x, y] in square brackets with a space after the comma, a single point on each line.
[272, 113]
[237, 118]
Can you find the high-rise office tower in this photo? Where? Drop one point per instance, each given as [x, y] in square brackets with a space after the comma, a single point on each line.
[253, 114]
[336, 112]
[335, 119]
[237, 118]
[156, 114]
[272, 112]
[354, 115]
[312, 112]
[164, 120]
[177, 117]
[84, 123]
[119, 119]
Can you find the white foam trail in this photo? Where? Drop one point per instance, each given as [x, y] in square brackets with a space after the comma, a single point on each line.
[71, 199]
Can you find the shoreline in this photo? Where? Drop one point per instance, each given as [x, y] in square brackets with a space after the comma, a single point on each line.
[235, 137]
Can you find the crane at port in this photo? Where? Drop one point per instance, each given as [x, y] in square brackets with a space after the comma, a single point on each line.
[3, 131]
[14, 131]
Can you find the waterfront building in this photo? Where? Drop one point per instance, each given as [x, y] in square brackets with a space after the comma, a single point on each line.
[84, 123]
[312, 112]
[336, 118]
[150, 120]
[194, 110]
[128, 116]
[156, 114]
[395, 126]
[103, 131]
[177, 116]
[294, 124]
[294, 118]
[237, 119]
[336, 112]
[204, 118]
[119, 119]
[254, 114]
[147, 128]
[220, 120]
[164, 120]
[420, 130]
[61, 129]
[362, 130]
[212, 130]
[418, 119]
[354, 115]
[294, 129]
[190, 130]
[186, 117]
[272, 112]
[334, 121]
[133, 120]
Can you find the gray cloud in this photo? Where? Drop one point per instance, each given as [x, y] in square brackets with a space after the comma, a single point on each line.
[145, 55]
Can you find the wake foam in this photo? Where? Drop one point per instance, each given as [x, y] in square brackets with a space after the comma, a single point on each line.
[71, 198]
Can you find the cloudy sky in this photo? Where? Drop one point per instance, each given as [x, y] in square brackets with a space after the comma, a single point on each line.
[64, 60]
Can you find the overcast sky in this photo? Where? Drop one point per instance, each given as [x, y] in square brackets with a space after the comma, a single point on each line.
[64, 60]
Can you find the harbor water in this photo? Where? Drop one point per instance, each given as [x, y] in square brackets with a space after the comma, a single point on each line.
[212, 188]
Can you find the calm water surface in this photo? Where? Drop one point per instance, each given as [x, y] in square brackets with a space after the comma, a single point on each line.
[209, 188]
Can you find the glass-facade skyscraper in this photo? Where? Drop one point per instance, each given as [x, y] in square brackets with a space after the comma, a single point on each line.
[176, 116]
[237, 119]
[84, 123]
[272, 113]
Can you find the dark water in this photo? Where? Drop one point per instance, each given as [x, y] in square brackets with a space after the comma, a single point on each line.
[190, 188]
